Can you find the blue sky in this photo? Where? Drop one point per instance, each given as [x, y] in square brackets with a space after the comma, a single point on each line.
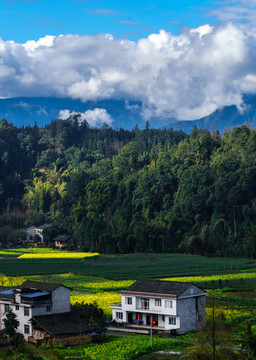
[23, 20]
[181, 59]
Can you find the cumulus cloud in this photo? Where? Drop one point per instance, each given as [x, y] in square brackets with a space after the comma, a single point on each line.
[95, 117]
[186, 76]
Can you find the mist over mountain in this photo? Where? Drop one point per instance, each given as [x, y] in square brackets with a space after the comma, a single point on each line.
[222, 119]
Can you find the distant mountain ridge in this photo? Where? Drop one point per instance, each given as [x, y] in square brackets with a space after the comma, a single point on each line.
[222, 119]
[27, 111]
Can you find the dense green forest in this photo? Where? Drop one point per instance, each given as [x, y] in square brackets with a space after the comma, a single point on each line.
[120, 191]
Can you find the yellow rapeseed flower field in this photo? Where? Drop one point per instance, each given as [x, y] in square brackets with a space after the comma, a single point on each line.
[108, 285]
[10, 253]
[58, 255]
[103, 299]
[45, 253]
[229, 314]
[238, 276]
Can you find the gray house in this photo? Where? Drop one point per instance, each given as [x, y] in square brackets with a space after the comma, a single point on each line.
[33, 299]
[164, 305]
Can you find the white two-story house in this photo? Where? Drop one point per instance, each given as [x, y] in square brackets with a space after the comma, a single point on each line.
[165, 305]
[39, 231]
[31, 299]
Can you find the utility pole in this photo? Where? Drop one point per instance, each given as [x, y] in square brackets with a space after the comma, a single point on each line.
[213, 331]
[151, 331]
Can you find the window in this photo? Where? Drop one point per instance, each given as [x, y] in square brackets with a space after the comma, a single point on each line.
[145, 303]
[6, 307]
[26, 311]
[119, 315]
[168, 304]
[163, 318]
[191, 291]
[200, 317]
[172, 321]
[26, 329]
[158, 302]
[17, 307]
[48, 308]
[128, 301]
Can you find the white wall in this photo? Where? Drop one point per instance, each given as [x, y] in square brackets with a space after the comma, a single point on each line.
[127, 307]
[22, 319]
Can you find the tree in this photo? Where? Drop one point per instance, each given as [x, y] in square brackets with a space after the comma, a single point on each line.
[91, 313]
[10, 324]
[249, 342]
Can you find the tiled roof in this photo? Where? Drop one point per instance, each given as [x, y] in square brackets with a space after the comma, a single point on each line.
[159, 287]
[4, 288]
[38, 286]
[44, 226]
[29, 226]
[62, 324]
[63, 238]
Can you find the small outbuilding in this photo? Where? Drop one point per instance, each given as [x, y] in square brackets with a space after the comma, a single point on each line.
[61, 240]
[60, 329]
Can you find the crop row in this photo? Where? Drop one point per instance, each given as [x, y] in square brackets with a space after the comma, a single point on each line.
[237, 276]
[106, 285]
[125, 348]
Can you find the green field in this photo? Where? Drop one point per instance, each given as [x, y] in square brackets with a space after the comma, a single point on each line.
[230, 283]
[132, 266]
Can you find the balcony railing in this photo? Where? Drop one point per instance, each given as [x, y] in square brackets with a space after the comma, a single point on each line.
[147, 308]
[36, 302]
[117, 305]
[7, 297]
[142, 307]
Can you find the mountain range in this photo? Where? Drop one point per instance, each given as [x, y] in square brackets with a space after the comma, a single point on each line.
[222, 119]
[27, 111]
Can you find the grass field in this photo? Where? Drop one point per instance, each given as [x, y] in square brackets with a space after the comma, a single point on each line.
[121, 348]
[126, 267]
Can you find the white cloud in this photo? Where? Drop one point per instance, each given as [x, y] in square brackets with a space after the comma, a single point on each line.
[186, 76]
[234, 10]
[202, 30]
[32, 45]
[39, 110]
[95, 117]
[129, 107]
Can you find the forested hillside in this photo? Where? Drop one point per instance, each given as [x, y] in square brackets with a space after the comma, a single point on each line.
[118, 191]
